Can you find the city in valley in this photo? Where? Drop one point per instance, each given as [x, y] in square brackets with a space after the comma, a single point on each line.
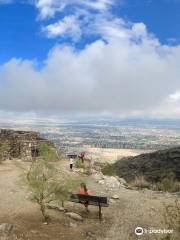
[105, 140]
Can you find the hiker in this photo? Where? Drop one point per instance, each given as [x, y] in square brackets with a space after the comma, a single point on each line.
[83, 191]
[71, 162]
[81, 156]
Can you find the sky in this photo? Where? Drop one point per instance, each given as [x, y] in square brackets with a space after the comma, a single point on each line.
[116, 58]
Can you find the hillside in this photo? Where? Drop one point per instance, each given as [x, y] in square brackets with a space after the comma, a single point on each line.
[21, 218]
[154, 166]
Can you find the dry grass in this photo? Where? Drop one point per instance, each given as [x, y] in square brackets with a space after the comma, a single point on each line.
[140, 182]
[172, 218]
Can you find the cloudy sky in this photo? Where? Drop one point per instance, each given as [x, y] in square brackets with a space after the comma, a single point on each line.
[103, 57]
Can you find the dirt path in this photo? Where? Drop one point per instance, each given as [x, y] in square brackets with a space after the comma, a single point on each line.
[132, 209]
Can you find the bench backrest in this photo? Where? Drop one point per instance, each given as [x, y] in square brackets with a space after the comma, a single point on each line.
[96, 199]
[72, 155]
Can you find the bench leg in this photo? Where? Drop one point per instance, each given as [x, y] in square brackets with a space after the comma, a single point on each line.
[100, 214]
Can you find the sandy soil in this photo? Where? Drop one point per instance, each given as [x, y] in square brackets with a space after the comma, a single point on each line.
[111, 155]
[134, 208]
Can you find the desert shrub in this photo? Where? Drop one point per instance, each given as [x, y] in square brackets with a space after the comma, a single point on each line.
[45, 183]
[48, 153]
[88, 170]
[172, 219]
[41, 184]
[168, 237]
[169, 185]
[140, 182]
[78, 163]
[108, 170]
[176, 187]
[64, 187]
[4, 150]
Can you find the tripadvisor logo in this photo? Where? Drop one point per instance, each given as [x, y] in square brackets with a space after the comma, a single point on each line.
[139, 231]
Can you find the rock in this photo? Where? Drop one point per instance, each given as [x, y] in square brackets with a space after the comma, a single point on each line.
[73, 225]
[111, 182]
[79, 170]
[98, 176]
[122, 181]
[74, 216]
[153, 209]
[94, 171]
[115, 197]
[45, 223]
[34, 231]
[6, 227]
[56, 207]
[90, 236]
[111, 201]
[101, 182]
[62, 209]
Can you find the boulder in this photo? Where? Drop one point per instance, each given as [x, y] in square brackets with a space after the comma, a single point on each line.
[115, 197]
[56, 207]
[6, 227]
[73, 225]
[111, 200]
[101, 182]
[112, 182]
[97, 176]
[74, 216]
[122, 181]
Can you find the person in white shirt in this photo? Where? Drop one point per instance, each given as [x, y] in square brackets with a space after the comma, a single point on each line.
[71, 162]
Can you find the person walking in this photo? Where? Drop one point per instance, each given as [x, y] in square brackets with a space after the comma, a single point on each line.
[71, 162]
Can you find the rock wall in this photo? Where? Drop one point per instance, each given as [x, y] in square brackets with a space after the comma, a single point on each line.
[21, 144]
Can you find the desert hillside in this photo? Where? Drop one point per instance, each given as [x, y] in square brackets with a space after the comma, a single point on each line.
[129, 207]
[154, 166]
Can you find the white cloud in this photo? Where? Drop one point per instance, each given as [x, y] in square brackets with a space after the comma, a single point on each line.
[77, 17]
[124, 75]
[48, 8]
[67, 27]
[127, 71]
[101, 5]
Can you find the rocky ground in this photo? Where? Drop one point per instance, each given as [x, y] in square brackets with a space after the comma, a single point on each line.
[21, 219]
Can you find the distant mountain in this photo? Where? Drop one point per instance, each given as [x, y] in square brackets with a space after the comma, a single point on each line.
[154, 166]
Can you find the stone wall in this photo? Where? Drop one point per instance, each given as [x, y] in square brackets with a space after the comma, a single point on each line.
[21, 144]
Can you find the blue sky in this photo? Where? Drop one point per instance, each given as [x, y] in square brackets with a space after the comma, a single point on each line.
[117, 57]
[21, 34]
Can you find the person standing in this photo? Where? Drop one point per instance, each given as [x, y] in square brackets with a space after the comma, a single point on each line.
[71, 162]
[82, 156]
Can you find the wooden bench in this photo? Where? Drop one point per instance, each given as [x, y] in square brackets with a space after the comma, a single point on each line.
[92, 200]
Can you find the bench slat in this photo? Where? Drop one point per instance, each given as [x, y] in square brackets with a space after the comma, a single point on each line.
[92, 200]
[90, 203]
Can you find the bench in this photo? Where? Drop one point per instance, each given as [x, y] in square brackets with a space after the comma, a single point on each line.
[92, 200]
[72, 155]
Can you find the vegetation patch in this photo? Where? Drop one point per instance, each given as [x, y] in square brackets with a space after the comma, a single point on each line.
[158, 167]
[45, 183]
[172, 219]
[140, 182]
[109, 170]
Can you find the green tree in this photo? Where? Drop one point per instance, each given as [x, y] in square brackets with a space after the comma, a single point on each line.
[46, 183]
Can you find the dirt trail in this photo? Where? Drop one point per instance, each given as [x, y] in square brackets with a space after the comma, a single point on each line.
[132, 209]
